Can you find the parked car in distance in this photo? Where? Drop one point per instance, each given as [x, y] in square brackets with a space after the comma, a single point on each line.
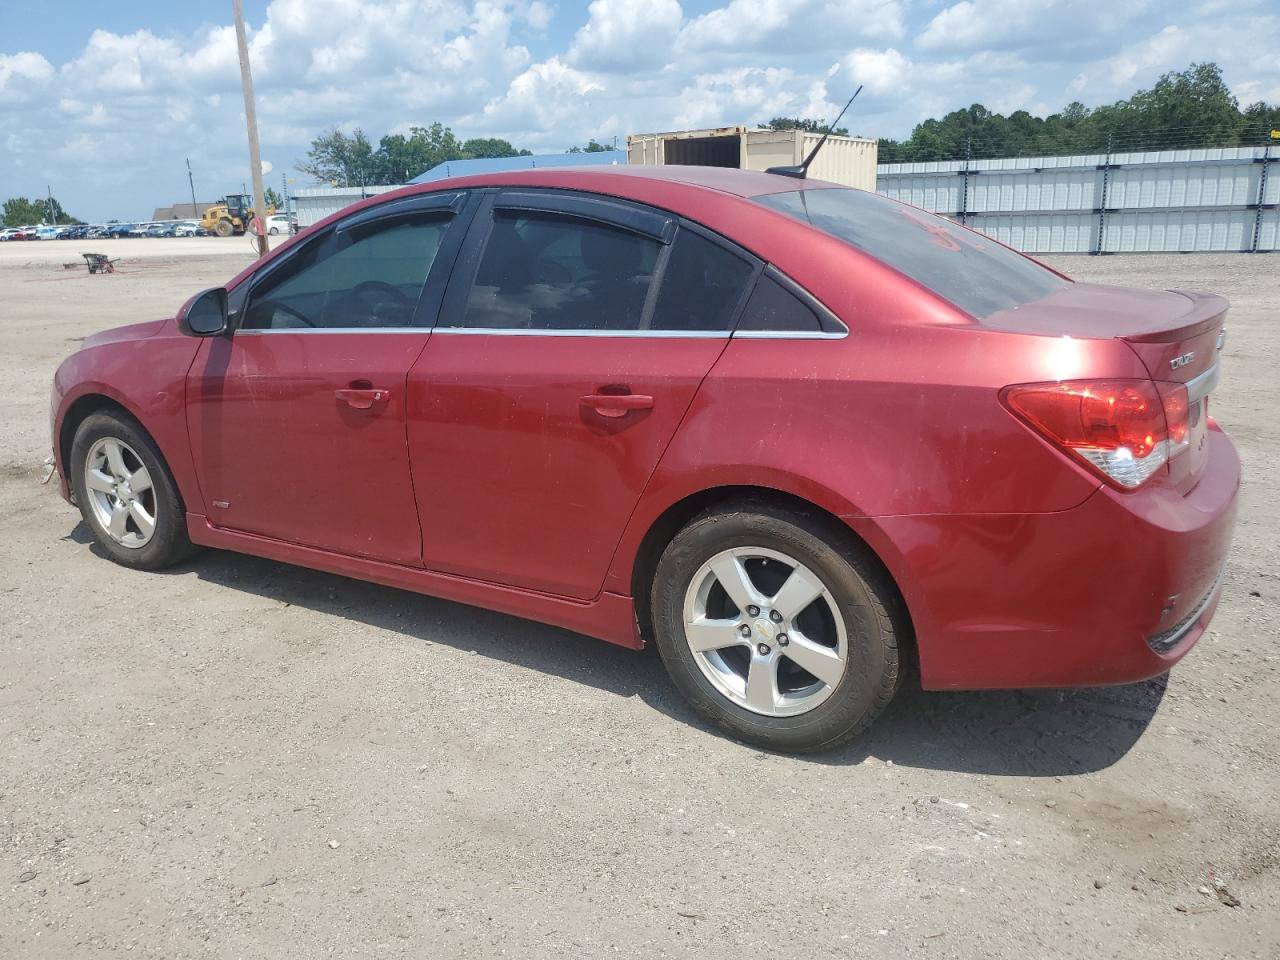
[12, 233]
[279, 223]
[796, 435]
[96, 231]
[117, 230]
[161, 229]
[47, 232]
[186, 228]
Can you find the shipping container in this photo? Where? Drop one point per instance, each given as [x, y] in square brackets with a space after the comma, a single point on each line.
[846, 160]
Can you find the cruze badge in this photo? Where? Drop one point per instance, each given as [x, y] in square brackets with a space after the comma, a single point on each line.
[1178, 363]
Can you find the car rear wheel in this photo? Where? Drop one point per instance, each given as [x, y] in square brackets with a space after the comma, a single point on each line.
[126, 493]
[775, 630]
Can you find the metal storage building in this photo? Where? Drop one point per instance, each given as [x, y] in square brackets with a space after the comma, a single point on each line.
[313, 204]
[847, 160]
[463, 168]
[1217, 199]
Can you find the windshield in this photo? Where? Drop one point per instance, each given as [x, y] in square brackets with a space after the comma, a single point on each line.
[973, 272]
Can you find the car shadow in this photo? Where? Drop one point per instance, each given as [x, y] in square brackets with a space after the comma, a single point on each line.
[999, 733]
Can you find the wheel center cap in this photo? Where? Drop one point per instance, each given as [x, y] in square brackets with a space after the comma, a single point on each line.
[764, 630]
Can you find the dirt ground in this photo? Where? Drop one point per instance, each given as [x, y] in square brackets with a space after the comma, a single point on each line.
[239, 758]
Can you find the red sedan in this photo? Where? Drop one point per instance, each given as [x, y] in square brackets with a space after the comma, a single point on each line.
[797, 435]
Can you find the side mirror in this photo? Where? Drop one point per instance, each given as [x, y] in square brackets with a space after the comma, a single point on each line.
[205, 314]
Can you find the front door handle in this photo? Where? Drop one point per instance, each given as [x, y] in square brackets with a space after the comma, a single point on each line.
[362, 398]
[617, 404]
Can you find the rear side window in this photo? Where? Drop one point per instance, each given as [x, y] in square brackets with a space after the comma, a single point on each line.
[975, 273]
[548, 271]
[702, 285]
[774, 308]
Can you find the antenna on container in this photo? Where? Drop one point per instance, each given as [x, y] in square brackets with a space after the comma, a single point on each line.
[802, 170]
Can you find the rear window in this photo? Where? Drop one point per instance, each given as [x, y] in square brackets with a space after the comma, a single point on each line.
[978, 275]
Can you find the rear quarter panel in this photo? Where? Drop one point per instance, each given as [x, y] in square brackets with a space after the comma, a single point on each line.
[896, 419]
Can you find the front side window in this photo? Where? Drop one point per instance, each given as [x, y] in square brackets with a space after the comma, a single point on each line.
[548, 271]
[974, 272]
[366, 277]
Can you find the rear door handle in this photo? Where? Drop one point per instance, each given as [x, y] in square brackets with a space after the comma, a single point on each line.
[617, 404]
[362, 398]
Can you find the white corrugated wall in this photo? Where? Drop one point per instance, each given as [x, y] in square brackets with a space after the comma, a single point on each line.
[1173, 200]
[313, 204]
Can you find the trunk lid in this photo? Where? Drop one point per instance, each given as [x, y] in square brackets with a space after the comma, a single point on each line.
[1176, 334]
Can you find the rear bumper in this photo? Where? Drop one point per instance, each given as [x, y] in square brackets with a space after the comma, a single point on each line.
[1115, 590]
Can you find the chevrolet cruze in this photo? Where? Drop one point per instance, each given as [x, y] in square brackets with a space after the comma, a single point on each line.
[799, 436]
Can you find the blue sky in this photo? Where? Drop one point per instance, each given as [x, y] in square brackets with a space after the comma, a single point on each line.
[104, 101]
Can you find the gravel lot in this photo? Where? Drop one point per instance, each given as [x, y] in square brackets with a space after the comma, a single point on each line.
[244, 759]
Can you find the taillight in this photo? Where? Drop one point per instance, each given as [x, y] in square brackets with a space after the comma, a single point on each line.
[1124, 429]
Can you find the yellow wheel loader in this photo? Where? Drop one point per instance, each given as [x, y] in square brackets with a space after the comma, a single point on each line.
[232, 216]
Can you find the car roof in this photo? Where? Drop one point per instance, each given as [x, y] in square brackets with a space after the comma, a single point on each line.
[730, 180]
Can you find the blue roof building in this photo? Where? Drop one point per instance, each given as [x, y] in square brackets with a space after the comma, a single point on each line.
[463, 168]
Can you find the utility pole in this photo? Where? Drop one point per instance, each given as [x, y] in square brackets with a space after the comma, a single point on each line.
[192, 183]
[251, 121]
[53, 217]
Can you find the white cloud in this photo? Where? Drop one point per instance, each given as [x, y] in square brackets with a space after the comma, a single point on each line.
[1244, 47]
[23, 76]
[109, 125]
[746, 94]
[880, 71]
[795, 26]
[1001, 24]
[547, 96]
[624, 34]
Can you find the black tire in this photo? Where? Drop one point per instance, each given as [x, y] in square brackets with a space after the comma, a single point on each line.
[224, 228]
[169, 543]
[875, 627]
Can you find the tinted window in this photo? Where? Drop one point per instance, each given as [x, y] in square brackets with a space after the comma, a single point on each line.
[701, 287]
[367, 277]
[543, 271]
[773, 307]
[975, 273]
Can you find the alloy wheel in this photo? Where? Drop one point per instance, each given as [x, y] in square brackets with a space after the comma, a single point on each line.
[121, 494]
[765, 631]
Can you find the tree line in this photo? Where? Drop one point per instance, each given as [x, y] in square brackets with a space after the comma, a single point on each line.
[352, 160]
[21, 212]
[1187, 108]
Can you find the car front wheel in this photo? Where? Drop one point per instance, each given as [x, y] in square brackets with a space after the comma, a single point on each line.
[775, 629]
[126, 493]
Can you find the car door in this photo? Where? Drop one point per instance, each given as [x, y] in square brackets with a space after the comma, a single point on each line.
[297, 419]
[573, 337]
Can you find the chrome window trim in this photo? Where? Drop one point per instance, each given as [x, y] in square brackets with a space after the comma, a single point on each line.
[789, 335]
[622, 334]
[521, 332]
[269, 330]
